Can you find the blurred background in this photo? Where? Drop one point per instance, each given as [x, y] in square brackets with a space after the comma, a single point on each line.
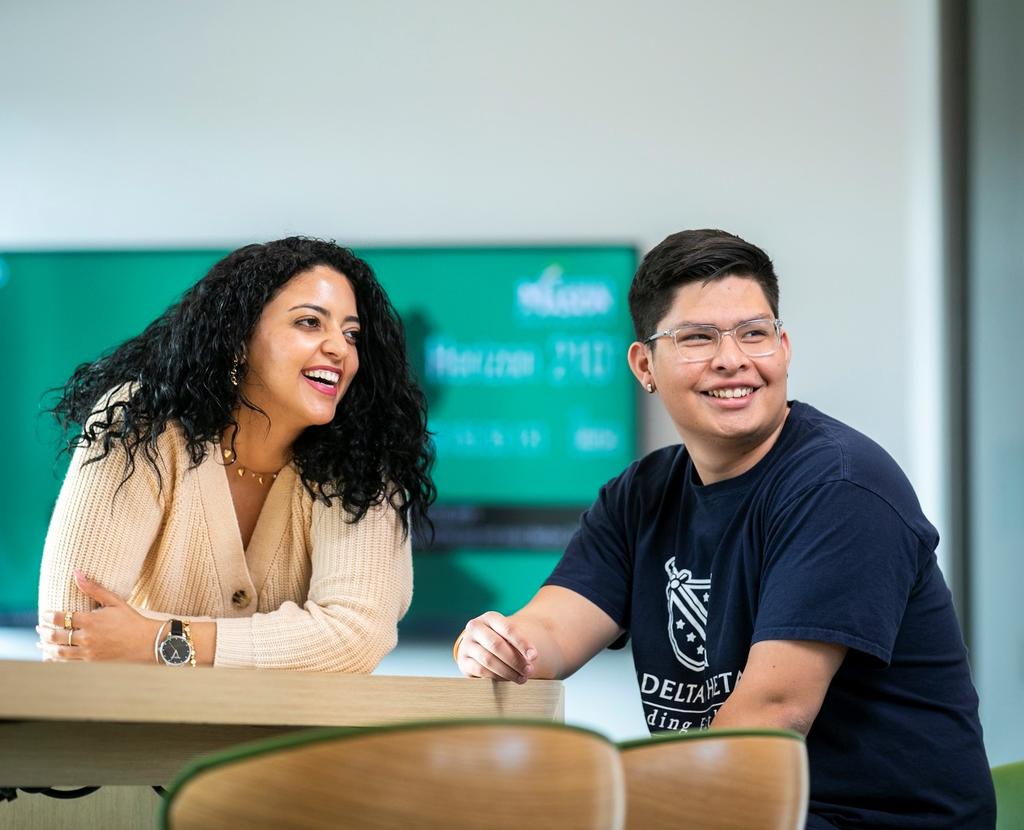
[504, 168]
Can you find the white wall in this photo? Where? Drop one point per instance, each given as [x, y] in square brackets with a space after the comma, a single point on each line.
[805, 126]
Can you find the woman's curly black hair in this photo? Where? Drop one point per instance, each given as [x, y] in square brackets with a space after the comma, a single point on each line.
[179, 369]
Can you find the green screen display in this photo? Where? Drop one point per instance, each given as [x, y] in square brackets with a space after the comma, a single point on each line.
[521, 352]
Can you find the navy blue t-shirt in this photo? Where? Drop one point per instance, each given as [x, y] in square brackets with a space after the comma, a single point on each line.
[822, 540]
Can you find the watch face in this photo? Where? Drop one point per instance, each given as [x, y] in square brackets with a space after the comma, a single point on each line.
[175, 651]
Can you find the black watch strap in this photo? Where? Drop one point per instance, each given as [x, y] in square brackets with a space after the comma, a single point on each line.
[176, 628]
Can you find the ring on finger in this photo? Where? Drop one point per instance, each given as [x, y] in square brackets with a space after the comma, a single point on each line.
[67, 620]
[71, 633]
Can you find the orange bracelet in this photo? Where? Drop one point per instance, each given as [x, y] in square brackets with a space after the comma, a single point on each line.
[455, 648]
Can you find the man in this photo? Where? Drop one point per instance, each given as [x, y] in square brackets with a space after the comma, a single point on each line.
[775, 570]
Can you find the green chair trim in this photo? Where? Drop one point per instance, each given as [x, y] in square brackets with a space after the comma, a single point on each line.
[263, 746]
[705, 734]
[1008, 780]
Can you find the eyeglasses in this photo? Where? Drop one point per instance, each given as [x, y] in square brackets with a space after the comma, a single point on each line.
[694, 344]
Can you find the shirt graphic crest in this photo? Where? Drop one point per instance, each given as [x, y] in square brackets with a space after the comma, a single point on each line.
[687, 616]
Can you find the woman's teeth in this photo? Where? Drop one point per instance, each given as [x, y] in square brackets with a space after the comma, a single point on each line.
[323, 376]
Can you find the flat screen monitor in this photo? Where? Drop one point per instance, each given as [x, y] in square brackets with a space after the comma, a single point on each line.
[520, 350]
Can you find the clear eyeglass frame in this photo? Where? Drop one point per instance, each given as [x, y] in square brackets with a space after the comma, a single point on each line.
[702, 351]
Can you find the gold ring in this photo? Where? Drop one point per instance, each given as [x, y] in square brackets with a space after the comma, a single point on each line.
[71, 633]
[67, 619]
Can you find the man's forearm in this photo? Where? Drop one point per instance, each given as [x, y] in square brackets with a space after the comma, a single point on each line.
[750, 712]
[783, 686]
[549, 638]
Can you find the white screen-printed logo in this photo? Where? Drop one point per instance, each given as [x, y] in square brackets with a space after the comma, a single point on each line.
[687, 616]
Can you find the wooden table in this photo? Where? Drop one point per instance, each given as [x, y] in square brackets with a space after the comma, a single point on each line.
[101, 724]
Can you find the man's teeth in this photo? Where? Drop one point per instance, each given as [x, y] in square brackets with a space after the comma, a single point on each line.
[740, 392]
[324, 375]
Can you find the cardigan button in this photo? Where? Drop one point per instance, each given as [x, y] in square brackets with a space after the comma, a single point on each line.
[240, 599]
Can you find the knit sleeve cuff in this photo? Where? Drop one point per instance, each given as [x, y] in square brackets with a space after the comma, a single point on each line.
[235, 643]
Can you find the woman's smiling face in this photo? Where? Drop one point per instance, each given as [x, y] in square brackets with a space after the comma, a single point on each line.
[303, 353]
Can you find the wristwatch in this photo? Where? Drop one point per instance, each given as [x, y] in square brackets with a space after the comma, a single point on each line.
[176, 648]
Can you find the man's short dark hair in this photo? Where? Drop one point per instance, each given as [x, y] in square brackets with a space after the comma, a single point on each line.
[694, 256]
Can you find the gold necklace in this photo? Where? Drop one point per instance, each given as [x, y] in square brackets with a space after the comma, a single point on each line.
[229, 457]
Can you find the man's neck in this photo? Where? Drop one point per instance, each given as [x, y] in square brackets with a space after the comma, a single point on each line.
[721, 459]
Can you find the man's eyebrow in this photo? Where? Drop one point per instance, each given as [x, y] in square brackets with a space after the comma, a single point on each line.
[765, 316]
[319, 309]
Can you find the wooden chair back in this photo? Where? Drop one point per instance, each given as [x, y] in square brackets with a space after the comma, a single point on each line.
[430, 775]
[717, 780]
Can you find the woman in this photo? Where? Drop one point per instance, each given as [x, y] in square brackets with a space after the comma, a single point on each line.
[243, 492]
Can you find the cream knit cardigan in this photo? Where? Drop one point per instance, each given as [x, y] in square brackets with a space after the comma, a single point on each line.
[317, 593]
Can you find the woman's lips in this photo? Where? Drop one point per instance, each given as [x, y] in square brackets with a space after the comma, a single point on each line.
[331, 390]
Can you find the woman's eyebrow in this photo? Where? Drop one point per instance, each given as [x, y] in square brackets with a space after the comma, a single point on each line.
[351, 318]
[317, 308]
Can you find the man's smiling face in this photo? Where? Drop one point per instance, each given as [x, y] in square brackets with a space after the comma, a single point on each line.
[731, 403]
